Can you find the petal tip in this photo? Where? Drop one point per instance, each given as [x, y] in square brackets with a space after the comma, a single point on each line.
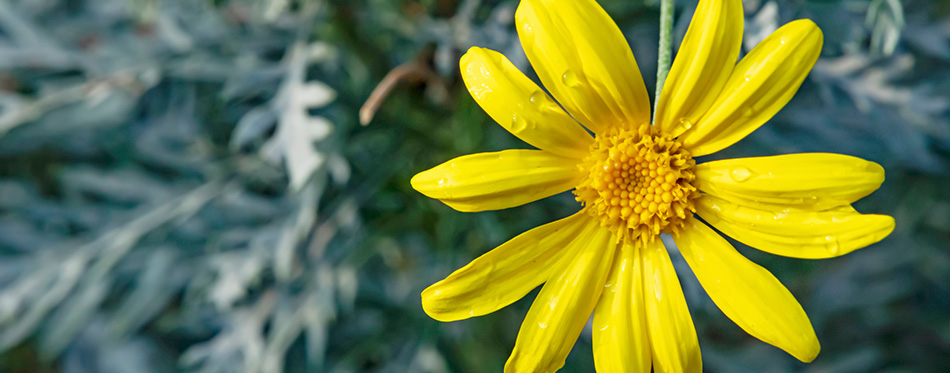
[883, 226]
[418, 182]
[803, 25]
[808, 27]
[888, 227]
[475, 49]
[523, 6]
[811, 353]
[470, 55]
[431, 306]
[878, 171]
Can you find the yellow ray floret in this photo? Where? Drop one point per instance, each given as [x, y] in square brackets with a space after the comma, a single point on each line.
[747, 293]
[493, 181]
[621, 337]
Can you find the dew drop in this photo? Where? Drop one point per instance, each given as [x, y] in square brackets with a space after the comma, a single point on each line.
[527, 29]
[832, 245]
[747, 78]
[740, 174]
[683, 125]
[569, 78]
[537, 98]
[749, 112]
[518, 123]
[478, 91]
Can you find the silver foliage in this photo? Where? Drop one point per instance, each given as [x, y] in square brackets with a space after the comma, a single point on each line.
[152, 222]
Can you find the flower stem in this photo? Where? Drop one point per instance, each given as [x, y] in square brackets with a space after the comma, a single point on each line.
[665, 49]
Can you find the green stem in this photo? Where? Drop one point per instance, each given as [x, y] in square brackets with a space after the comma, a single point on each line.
[665, 49]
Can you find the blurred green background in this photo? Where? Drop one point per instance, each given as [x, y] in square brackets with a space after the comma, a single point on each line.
[185, 185]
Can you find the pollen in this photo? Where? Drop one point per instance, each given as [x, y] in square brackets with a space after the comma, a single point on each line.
[638, 183]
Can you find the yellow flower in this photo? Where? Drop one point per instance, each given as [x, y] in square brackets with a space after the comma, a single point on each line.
[636, 180]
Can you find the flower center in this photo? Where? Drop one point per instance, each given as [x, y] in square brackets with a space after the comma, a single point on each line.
[638, 183]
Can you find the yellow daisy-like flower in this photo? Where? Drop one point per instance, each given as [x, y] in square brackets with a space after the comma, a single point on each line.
[636, 180]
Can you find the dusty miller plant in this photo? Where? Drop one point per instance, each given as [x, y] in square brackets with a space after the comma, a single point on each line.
[135, 214]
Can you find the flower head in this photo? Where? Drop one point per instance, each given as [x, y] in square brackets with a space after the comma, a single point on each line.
[638, 183]
[636, 180]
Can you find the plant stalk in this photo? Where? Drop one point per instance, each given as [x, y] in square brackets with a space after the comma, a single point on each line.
[665, 50]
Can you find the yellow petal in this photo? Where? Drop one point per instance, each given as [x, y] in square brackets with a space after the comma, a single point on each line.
[795, 233]
[520, 106]
[747, 293]
[584, 61]
[621, 340]
[760, 85]
[564, 305]
[672, 335]
[499, 180]
[503, 275]
[704, 61]
[809, 181]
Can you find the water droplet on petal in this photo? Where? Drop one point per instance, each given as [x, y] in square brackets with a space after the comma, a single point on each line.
[569, 78]
[749, 112]
[832, 245]
[478, 91]
[683, 125]
[537, 98]
[518, 123]
[747, 78]
[711, 218]
[740, 174]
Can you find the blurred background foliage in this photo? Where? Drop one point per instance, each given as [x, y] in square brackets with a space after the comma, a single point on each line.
[185, 184]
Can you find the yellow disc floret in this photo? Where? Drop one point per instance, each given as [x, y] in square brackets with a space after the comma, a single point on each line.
[638, 183]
